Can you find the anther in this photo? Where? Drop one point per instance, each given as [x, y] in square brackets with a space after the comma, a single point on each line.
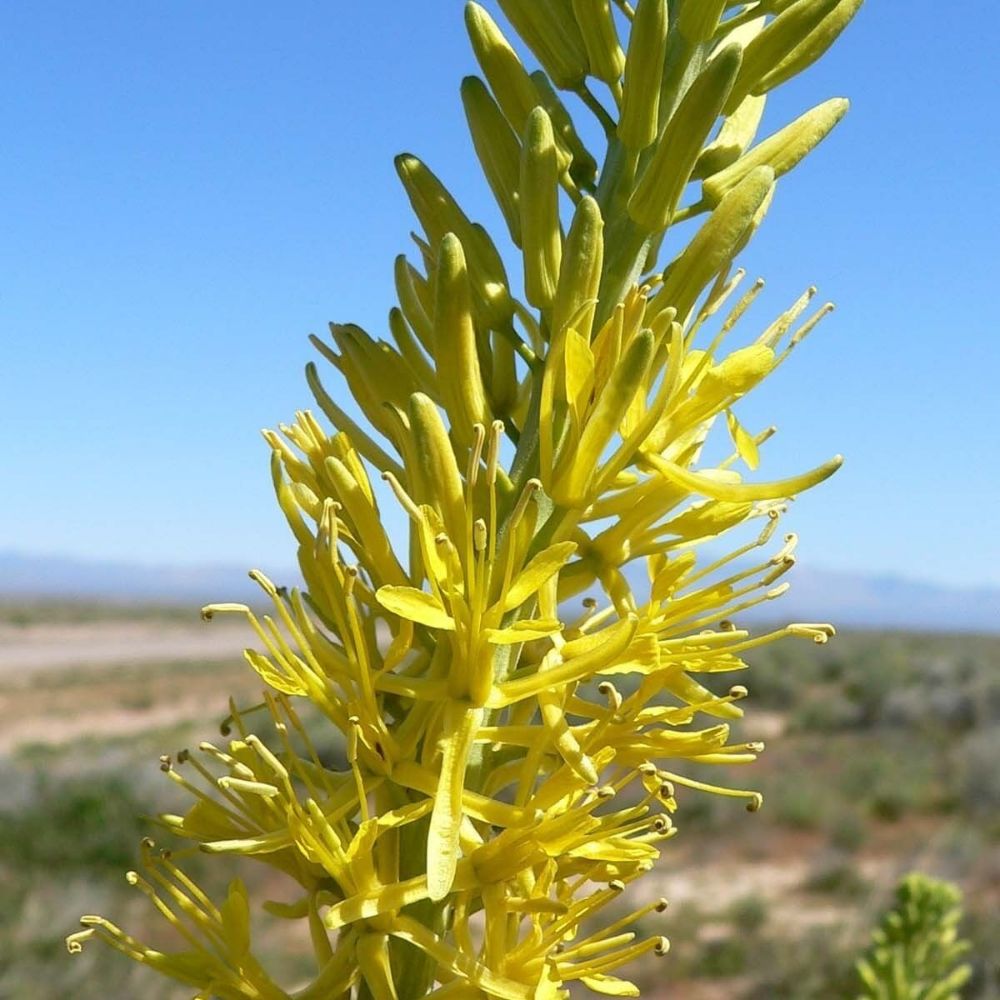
[479, 534]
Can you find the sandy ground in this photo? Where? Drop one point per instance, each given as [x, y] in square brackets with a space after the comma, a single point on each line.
[60, 683]
[28, 650]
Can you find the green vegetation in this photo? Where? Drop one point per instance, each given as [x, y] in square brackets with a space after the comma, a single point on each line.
[916, 950]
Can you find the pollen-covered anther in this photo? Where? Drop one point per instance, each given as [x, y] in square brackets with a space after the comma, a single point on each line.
[617, 884]
[479, 535]
[738, 691]
[661, 947]
[165, 762]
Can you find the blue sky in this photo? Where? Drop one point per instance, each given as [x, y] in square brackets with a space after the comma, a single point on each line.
[190, 189]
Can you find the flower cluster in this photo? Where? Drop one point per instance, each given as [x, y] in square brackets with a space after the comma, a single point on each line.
[516, 705]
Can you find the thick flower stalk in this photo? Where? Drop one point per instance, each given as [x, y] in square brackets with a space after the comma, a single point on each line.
[517, 701]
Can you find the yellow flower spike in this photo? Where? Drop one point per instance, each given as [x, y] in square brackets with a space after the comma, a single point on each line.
[643, 73]
[781, 151]
[457, 851]
[600, 38]
[664, 178]
[715, 244]
[541, 236]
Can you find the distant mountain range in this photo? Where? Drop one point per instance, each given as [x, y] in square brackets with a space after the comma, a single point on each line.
[847, 599]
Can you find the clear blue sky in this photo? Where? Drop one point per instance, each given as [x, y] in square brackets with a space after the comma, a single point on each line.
[189, 189]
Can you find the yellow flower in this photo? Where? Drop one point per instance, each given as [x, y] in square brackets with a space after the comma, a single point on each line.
[509, 759]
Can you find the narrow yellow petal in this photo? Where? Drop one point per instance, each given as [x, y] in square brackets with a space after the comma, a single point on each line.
[416, 605]
[706, 486]
[530, 580]
[460, 726]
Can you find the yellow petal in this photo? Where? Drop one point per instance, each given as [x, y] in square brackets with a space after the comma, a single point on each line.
[610, 986]
[460, 727]
[706, 486]
[530, 580]
[522, 631]
[746, 447]
[416, 605]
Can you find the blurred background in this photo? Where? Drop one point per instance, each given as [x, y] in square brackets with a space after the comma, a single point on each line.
[189, 190]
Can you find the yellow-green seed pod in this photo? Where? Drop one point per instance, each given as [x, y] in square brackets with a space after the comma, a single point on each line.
[811, 47]
[716, 244]
[358, 361]
[455, 352]
[553, 35]
[498, 149]
[581, 164]
[412, 302]
[647, 47]
[541, 236]
[662, 183]
[737, 132]
[780, 38]
[440, 480]
[409, 348]
[597, 28]
[507, 77]
[503, 381]
[780, 151]
[580, 273]
[576, 471]
[698, 19]
[439, 213]
[491, 298]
